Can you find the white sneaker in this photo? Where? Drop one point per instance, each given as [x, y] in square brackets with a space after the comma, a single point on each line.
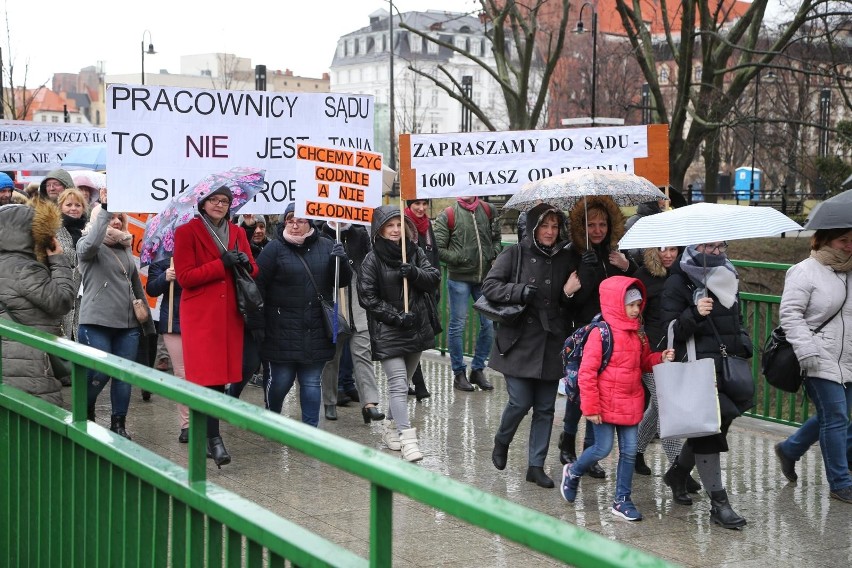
[410, 448]
[390, 436]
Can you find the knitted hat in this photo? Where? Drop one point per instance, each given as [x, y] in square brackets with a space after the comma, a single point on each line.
[632, 295]
[221, 190]
[6, 182]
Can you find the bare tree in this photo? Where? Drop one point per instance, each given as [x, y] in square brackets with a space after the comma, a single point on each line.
[228, 75]
[16, 100]
[525, 55]
[715, 57]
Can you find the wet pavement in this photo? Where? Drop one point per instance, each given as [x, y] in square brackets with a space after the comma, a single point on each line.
[789, 524]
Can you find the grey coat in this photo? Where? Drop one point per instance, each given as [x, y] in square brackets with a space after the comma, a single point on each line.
[813, 293]
[107, 295]
[37, 295]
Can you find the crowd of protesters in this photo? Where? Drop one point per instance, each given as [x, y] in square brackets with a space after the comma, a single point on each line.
[66, 267]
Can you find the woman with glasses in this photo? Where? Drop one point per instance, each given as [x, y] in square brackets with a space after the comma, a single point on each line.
[818, 291]
[296, 268]
[701, 295]
[207, 250]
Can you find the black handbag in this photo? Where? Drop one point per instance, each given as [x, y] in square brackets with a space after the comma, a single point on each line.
[344, 330]
[779, 363]
[249, 299]
[499, 312]
[735, 380]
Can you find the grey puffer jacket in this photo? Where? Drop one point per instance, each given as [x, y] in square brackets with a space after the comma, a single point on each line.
[813, 293]
[35, 293]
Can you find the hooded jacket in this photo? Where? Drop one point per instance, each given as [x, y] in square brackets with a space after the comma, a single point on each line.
[59, 175]
[293, 315]
[532, 347]
[653, 275]
[35, 293]
[616, 394]
[380, 291]
[586, 301]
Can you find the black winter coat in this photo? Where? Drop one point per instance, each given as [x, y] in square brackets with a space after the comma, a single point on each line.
[380, 293]
[157, 285]
[678, 305]
[526, 350]
[292, 312]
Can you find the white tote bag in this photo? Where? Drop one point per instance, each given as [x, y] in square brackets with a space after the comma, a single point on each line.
[686, 395]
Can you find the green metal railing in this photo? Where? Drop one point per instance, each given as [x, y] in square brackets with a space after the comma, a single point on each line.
[760, 313]
[75, 494]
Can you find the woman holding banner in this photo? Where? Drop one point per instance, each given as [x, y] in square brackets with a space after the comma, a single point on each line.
[399, 332]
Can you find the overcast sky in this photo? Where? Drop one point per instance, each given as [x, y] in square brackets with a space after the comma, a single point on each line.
[59, 36]
[56, 36]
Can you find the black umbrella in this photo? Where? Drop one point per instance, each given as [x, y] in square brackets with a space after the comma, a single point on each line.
[834, 213]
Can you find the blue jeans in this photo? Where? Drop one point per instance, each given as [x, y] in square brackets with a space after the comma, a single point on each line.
[604, 434]
[571, 423]
[459, 293]
[830, 426]
[117, 341]
[251, 362]
[279, 379]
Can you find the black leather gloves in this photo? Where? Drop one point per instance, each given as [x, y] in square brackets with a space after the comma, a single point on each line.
[406, 270]
[589, 257]
[231, 258]
[406, 320]
[244, 260]
[529, 293]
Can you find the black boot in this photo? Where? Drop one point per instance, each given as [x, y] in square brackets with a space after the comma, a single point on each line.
[461, 383]
[641, 467]
[536, 475]
[721, 512]
[567, 445]
[692, 486]
[596, 470]
[477, 377]
[499, 455]
[675, 478]
[116, 424]
[216, 450]
[420, 390]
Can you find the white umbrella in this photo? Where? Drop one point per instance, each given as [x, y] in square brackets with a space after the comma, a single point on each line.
[565, 190]
[706, 223]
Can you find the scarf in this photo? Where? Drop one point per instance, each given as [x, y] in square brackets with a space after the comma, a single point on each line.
[114, 237]
[469, 206]
[712, 272]
[421, 223]
[390, 252]
[220, 233]
[837, 260]
[74, 226]
[297, 240]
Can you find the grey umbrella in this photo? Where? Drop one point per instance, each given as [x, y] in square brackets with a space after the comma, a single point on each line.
[834, 213]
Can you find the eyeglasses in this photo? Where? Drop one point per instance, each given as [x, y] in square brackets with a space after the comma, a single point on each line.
[219, 201]
[296, 222]
[716, 248]
[54, 185]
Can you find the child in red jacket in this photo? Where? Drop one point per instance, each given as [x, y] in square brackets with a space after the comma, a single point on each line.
[613, 400]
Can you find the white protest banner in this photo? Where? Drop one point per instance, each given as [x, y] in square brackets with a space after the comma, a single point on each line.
[39, 146]
[347, 184]
[162, 140]
[497, 163]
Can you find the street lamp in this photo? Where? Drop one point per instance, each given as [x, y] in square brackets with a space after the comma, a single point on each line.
[392, 161]
[580, 29]
[149, 52]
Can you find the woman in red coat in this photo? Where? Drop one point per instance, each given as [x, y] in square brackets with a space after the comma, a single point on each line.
[206, 250]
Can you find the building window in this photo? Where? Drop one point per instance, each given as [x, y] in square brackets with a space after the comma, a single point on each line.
[664, 74]
[416, 43]
[460, 42]
[432, 47]
[418, 126]
[434, 98]
[433, 128]
[418, 97]
[698, 73]
[54, 118]
[492, 99]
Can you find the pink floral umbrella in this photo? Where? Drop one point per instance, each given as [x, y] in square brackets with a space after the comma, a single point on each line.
[158, 241]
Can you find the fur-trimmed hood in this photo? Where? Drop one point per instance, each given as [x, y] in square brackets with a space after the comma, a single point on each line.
[653, 263]
[29, 228]
[577, 218]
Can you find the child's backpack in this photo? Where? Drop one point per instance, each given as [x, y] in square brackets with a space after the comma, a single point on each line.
[572, 354]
